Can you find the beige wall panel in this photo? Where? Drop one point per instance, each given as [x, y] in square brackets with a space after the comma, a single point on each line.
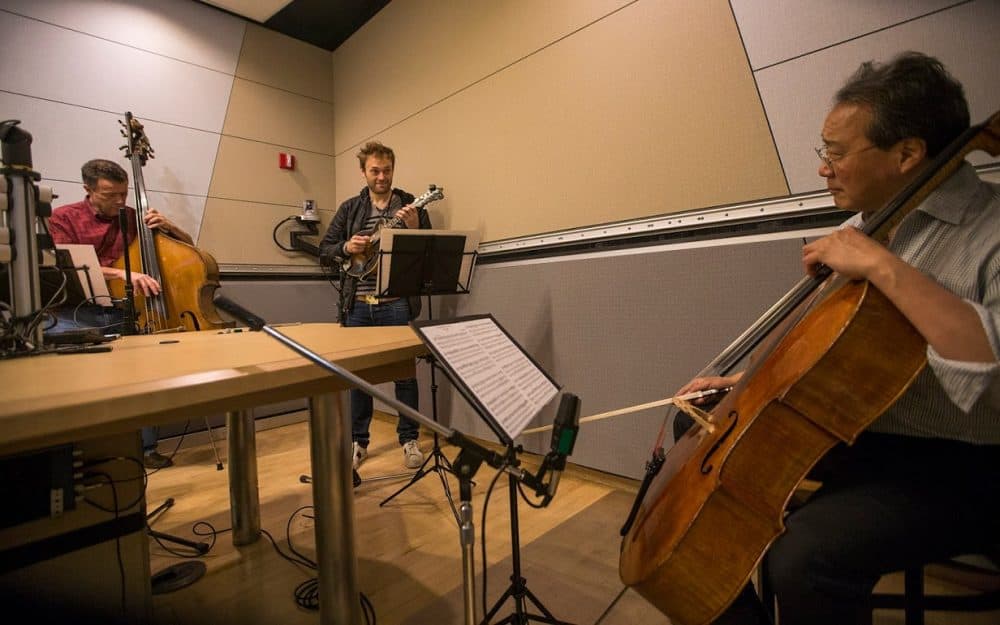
[651, 110]
[275, 116]
[273, 59]
[248, 170]
[425, 50]
[239, 233]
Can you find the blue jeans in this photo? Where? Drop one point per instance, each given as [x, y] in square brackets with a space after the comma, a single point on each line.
[110, 320]
[396, 313]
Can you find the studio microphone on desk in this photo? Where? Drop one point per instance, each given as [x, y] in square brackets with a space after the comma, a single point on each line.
[564, 429]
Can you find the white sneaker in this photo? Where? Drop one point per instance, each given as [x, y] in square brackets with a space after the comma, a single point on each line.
[358, 455]
[412, 456]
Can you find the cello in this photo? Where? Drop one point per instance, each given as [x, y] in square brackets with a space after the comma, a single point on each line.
[188, 276]
[708, 510]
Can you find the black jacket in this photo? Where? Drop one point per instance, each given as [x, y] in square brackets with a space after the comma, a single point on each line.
[350, 219]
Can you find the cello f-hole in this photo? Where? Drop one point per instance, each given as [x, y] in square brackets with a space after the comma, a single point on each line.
[734, 418]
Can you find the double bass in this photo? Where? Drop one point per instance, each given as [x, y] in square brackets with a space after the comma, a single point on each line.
[188, 276]
[708, 509]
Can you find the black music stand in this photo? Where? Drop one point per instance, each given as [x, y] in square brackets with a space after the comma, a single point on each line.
[414, 263]
[518, 588]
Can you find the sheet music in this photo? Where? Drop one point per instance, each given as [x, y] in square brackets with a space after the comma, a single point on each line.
[507, 383]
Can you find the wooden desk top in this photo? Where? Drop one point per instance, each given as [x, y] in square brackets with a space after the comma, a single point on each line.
[145, 380]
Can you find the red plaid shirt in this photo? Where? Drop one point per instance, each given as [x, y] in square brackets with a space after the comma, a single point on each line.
[80, 223]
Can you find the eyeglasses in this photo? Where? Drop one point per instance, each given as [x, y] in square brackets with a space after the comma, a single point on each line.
[829, 158]
[108, 195]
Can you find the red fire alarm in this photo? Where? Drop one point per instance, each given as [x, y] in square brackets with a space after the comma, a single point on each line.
[286, 161]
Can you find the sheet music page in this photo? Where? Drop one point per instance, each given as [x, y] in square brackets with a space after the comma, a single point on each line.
[507, 383]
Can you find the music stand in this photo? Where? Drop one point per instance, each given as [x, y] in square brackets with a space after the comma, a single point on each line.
[489, 368]
[414, 263]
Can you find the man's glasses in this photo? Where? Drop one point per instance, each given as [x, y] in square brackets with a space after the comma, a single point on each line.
[109, 195]
[829, 158]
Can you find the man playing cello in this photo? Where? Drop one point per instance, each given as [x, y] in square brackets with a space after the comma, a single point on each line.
[922, 483]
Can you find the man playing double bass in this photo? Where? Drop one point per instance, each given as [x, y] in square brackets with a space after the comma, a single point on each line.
[922, 483]
[95, 221]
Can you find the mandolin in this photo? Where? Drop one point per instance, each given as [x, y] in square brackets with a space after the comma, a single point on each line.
[363, 263]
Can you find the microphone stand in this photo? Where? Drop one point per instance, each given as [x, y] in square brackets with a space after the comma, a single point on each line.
[518, 589]
[471, 456]
[128, 324]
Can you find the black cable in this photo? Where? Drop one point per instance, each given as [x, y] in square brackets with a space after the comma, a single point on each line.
[274, 235]
[307, 593]
[141, 476]
[288, 537]
[118, 541]
[482, 530]
[544, 500]
[614, 601]
[307, 596]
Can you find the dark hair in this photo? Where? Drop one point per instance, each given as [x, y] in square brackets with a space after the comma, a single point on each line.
[912, 95]
[374, 148]
[98, 169]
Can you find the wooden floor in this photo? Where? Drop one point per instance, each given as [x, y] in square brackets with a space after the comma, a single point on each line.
[409, 557]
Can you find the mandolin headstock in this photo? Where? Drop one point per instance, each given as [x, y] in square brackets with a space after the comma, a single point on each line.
[137, 143]
[433, 194]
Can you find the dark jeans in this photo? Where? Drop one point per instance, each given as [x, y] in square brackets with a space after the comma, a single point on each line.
[109, 320]
[396, 313]
[887, 502]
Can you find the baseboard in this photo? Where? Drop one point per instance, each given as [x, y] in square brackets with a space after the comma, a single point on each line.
[220, 433]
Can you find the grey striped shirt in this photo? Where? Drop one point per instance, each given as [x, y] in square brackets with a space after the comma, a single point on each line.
[954, 236]
[366, 285]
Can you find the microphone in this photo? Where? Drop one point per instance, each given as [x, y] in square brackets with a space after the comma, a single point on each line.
[242, 314]
[564, 429]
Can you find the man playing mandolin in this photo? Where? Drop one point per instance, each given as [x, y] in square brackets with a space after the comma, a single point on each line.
[922, 483]
[95, 221]
[350, 235]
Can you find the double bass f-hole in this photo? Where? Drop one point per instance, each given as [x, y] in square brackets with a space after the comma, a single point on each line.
[707, 468]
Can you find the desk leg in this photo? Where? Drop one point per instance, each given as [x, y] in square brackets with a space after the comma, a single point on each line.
[244, 499]
[333, 499]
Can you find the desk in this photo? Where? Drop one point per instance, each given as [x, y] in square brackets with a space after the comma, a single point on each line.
[154, 379]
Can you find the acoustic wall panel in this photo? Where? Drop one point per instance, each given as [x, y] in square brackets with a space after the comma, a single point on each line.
[264, 113]
[797, 94]
[238, 232]
[179, 29]
[807, 26]
[276, 106]
[248, 170]
[421, 51]
[621, 330]
[279, 61]
[648, 111]
[66, 136]
[95, 73]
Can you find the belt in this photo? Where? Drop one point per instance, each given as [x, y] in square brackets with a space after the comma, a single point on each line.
[374, 300]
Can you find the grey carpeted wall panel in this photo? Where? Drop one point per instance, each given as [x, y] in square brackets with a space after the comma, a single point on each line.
[619, 331]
